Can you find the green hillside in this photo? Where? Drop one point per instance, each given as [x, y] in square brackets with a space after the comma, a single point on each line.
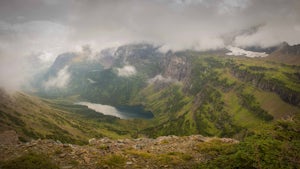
[254, 101]
[209, 94]
[217, 100]
[33, 118]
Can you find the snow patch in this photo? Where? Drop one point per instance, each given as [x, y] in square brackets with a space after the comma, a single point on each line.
[235, 51]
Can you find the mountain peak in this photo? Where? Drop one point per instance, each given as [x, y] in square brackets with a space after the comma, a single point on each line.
[283, 45]
[287, 54]
[285, 49]
[61, 61]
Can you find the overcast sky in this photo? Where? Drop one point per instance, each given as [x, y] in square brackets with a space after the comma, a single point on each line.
[39, 30]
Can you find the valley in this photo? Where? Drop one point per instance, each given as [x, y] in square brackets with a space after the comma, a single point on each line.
[150, 84]
[146, 94]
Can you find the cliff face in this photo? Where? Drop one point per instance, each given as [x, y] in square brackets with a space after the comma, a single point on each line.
[286, 49]
[176, 67]
[60, 62]
[146, 58]
[273, 85]
[286, 54]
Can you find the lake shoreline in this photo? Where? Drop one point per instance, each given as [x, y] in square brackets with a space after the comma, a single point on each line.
[122, 112]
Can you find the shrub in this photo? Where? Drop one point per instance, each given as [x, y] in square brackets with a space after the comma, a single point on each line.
[30, 161]
[114, 161]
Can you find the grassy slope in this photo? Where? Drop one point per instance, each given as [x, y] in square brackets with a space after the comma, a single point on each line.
[273, 104]
[213, 102]
[281, 72]
[218, 93]
[32, 117]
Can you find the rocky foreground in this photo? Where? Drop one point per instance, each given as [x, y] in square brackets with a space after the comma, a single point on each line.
[162, 152]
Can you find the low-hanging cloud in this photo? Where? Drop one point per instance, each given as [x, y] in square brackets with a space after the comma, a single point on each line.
[61, 80]
[193, 24]
[27, 48]
[54, 27]
[160, 79]
[126, 71]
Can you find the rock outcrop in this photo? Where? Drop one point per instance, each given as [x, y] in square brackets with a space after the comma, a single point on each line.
[176, 67]
[162, 152]
[273, 85]
[9, 137]
[286, 54]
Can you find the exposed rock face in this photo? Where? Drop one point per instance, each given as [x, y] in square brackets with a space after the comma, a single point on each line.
[286, 49]
[135, 53]
[286, 54]
[286, 94]
[176, 67]
[106, 57]
[267, 50]
[138, 50]
[143, 57]
[60, 62]
[9, 137]
[147, 58]
[163, 152]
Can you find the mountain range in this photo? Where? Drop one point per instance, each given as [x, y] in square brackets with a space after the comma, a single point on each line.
[242, 94]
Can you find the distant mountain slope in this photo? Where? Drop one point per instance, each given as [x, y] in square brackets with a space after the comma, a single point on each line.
[286, 54]
[253, 100]
[189, 92]
[221, 95]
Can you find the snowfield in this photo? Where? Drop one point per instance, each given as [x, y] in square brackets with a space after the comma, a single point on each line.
[235, 51]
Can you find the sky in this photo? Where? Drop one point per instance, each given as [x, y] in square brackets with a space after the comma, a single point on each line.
[34, 32]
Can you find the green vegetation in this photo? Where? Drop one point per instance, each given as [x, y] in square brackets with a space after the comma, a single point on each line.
[173, 158]
[254, 101]
[30, 161]
[222, 97]
[214, 96]
[113, 161]
[275, 148]
[60, 120]
[249, 101]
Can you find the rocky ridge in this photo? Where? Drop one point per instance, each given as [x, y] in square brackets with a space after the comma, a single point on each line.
[162, 152]
[286, 54]
[259, 80]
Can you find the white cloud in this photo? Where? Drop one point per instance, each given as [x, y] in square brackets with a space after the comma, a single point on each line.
[33, 37]
[91, 81]
[60, 81]
[269, 35]
[27, 47]
[160, 78]
[55, 27]
[126, 71]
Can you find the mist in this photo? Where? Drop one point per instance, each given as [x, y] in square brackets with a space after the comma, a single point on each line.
[126, 71]
[61, 80]
[35, 32]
